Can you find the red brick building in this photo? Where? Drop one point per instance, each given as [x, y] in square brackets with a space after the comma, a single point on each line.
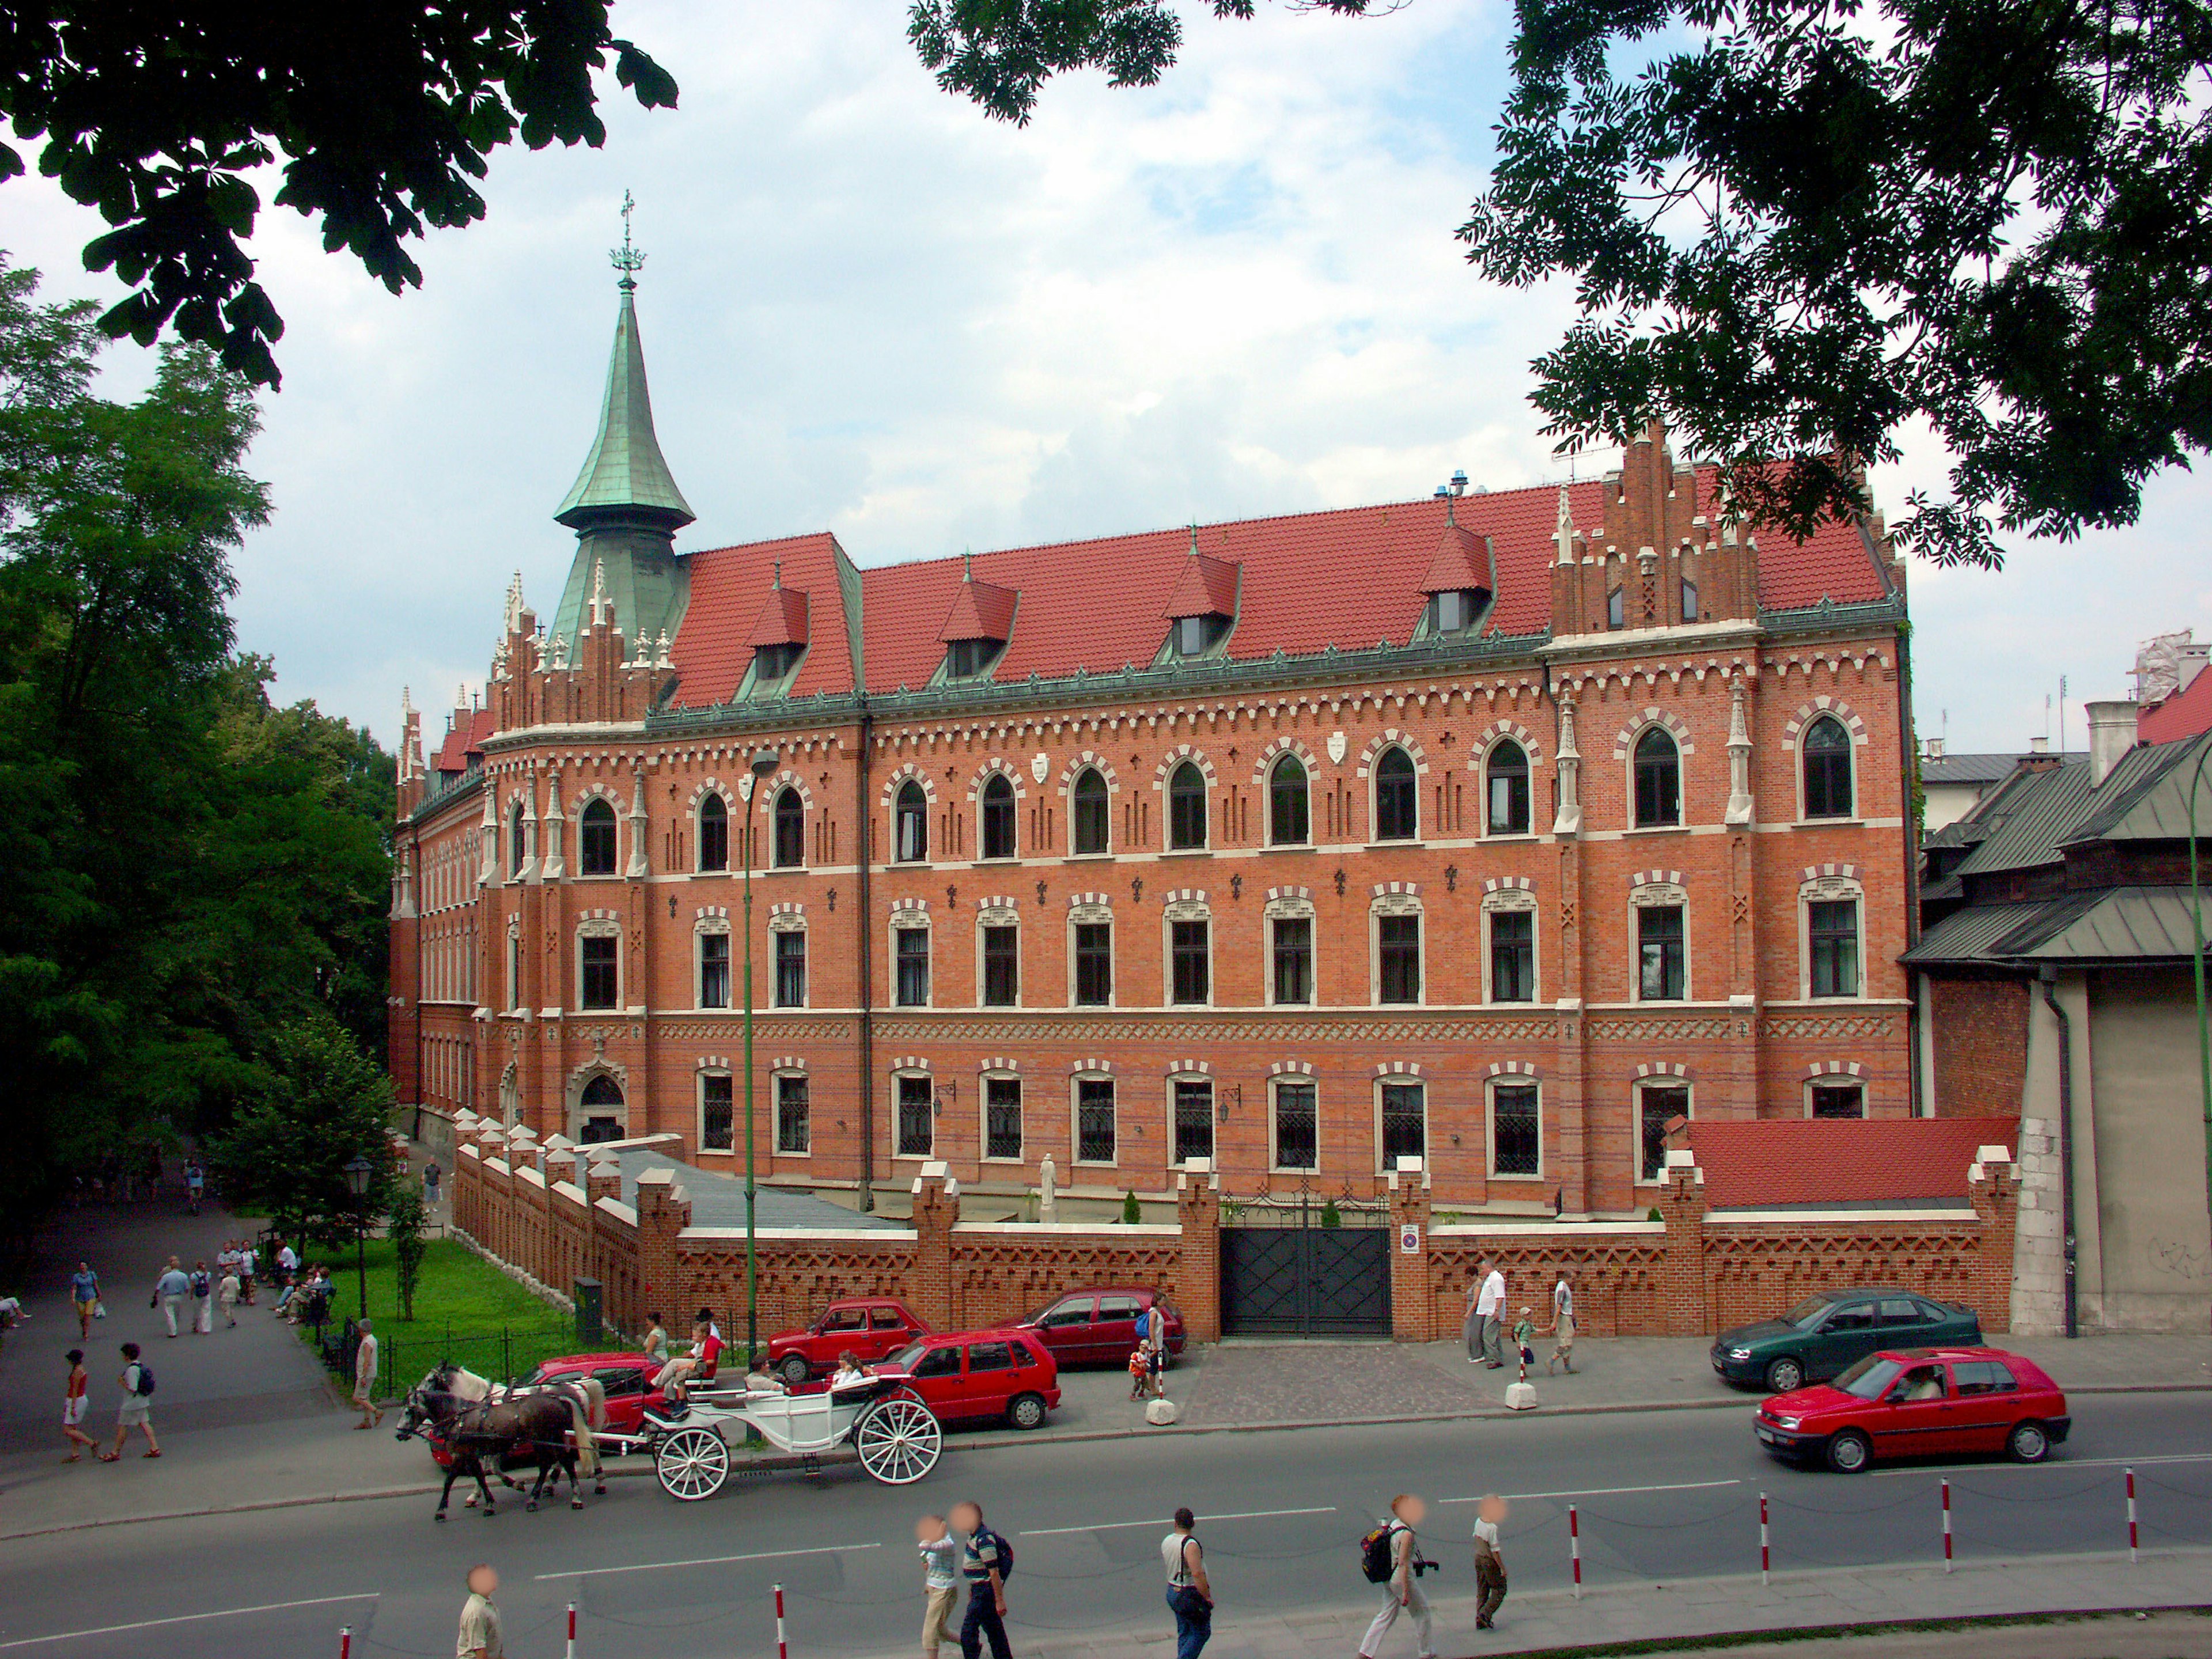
[1493, 829]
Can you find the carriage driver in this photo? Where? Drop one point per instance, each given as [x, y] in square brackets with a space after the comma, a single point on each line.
[674, 1379]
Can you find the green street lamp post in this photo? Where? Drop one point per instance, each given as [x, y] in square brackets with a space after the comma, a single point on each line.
[358, 1169]
[2196, 960]
[764, 761]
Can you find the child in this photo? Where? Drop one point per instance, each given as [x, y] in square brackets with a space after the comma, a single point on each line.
[1524, 1338]
[1141, 1370]
[940, 1581]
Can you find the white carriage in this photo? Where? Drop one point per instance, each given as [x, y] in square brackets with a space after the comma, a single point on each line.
[896, 1436]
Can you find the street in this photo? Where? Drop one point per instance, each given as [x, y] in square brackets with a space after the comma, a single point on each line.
[1662, 1496]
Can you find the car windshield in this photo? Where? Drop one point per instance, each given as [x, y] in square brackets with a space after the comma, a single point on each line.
[1806, 1312]
[907, 1357]
[1870, 1378]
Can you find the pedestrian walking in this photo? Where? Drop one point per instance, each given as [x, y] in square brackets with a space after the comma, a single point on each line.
[1524, 1340]
[84, 1294]
[1190, 1593]
[247, 1262]
[136, 1411]
[226, 1294]
[170, 1290]
[1489, 1316]
[985, 1558]
[287, 1266]
[364, 1377]
[194, 1185]
[1563, 1325]
[1402, 1590]
[1489, 1560]
[479, 1637]
[203, 1299]
[430, 1183]
[940, 1582]
[76, 1404]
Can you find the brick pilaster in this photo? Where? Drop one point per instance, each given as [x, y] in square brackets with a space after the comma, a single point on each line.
[1198, 1279]
[1682, 1204]
[663, 1210]
[936, 1212]
[1412, 1285]
[1996, 1193]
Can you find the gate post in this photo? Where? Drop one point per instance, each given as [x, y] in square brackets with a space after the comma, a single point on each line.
[1412, 1288]
[1198, 1277]
[936, 1212]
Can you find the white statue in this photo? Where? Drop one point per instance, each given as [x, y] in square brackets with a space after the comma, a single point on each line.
[1047, 1190]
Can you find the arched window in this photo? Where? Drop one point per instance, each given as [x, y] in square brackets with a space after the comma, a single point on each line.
[602, 1104]
[1091, 814]
[790, 830]
[998, 818]
[1826, 748]
[1614, 614]
[595, 856]
[1508, 781]
[1287, 824]
[1658, 779]
[1186, 807]
[516, 848]
[713, 834]
[1397, 798]
[910, 824]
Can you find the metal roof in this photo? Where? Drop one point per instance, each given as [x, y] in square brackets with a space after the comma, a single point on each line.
[2146, 796]
[719, 1200]
[625, 468]
[1968, 935]
[2119, 924]
[1971, 768]
[2028, 816]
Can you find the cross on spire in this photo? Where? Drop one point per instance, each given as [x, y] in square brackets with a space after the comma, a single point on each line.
[627, 260]
[779, 575]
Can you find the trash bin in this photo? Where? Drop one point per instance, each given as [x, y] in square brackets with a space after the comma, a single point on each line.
[589, 1292]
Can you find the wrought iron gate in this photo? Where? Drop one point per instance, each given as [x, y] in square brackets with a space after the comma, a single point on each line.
[1302, 1278]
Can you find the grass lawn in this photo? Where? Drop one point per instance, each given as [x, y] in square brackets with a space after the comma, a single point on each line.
[465, 1309]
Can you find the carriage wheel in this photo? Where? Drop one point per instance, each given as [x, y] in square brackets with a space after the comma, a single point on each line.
[692, 1464]
[899, 1440]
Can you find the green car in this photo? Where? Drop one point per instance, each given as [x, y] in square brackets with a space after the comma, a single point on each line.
[1822, 1334]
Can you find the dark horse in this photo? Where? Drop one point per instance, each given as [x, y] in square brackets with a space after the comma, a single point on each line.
[527, 1428]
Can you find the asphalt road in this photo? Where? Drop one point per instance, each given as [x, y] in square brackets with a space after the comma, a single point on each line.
[1661, 1497]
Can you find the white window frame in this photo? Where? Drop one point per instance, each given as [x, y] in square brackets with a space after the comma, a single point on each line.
[1094, 916]
[983, 1081]
[615, 812]
[1000, 916]
[1398, 1080]
[1275, 1163]
[599, 929]
[514, 964]
[1267, 802]
[777, 791]
[1828, 889]
[701, 930]
[1167, 807]
[1185, 911]
[1682, 824]
[1289, 909]
[1212, 1114]
[1665, 1081]
[1660, 896]
[1075, 1082]
[1483, 832]
[929, 831]
[1517, 901]
[1394, 904]
[733, 826]
[1841, 1080]
[775, 1078]
[789, 923]
[1851, 760]
[699, 1107]
[1067, 800]
[905, 921]
[1374, 784]
[1490, 1088]
[899, 1074]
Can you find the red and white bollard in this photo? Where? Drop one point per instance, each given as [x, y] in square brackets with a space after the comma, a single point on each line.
[782, 1651]
[572, 1631]
[345, 1641]
[1947, 1526]
[1575, 1547]
[2132, 1517]
[1765, 1561]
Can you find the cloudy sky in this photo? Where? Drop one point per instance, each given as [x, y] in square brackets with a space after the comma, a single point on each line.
[867, 307]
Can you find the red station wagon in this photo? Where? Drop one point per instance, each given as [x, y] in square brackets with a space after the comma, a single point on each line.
[967, 1376]
[1920, 1402]
[871, 1326]
[1099, 1327]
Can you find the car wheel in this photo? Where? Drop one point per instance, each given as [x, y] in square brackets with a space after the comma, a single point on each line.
[1026, 1411]
[2027, 1443]
[795, 1370]
[1785, 1376]
[1849, 1453]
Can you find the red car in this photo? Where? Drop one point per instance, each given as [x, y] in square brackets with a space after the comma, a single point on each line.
[871, 1326]
[1099, 1326]
[965, 1375]
[627, 1377]
[1920, 1402]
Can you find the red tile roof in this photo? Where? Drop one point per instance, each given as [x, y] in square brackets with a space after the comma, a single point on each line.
[981, 610]
[2186, 714]
[730, 586]
[464, 738]
[1460, 562]
[1207, 588]
[782, 619]
[1842, 1161]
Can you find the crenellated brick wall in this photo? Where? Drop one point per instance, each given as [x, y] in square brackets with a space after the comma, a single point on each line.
[1688, 1274]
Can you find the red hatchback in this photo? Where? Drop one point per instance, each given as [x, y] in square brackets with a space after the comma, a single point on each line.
[969, 1376]
[1920, 1402]
[872, 1327]
[1099, 1327]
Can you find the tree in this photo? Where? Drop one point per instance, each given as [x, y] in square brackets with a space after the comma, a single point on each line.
[315, 1104]
[405, 1216]
[381, 121]
[1814, 225]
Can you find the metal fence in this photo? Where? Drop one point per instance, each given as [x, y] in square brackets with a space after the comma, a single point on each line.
[406, 1353]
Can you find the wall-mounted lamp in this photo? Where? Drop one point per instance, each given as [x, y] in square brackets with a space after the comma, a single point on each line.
[1223, 1096]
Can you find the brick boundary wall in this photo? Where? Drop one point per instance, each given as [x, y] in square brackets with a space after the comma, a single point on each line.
[1689, 1274]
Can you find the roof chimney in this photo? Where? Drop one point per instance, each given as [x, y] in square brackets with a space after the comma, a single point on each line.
[2038, 746]
[1931, 748]
[2112, 734]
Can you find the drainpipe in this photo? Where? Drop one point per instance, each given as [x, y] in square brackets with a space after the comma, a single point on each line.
[1908, 755]
[2049, 976]
[864, 832]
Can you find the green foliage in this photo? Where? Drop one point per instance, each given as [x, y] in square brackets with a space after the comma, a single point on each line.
[315, 1105]
[1654, 1215]
[404, 1216]
[1329, 1218]
[1132, 1211]
[380, 124]
[188, 866]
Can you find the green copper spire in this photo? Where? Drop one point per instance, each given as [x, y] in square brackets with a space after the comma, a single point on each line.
[625, 474]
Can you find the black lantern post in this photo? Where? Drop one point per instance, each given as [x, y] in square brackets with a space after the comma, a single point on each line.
[358, 1169]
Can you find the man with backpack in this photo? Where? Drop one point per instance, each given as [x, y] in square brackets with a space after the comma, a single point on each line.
[1190, 1593]
[986, 1561]
[203, 1298]
[137, 1408]
[1391, 1557]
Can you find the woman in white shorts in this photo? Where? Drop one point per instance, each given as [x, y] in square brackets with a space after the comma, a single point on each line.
[75, 1403]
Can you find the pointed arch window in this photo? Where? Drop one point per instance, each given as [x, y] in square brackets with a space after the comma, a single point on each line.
[595, 853]
[1658, 767]
[1827, 751]
[1397, 797]
[713, 834]
[1090, 817]
[1615, 609]
[1187, 807]
[1506, 782]
[1288, 824]
[998, 818]
[790, 830]
[516, 848]
[910, 824]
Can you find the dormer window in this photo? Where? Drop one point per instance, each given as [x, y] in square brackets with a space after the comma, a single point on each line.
[977, 626]
[1454, 610]
[778, 639]
[1458, 583]
[772, 666]
[1196, 635]
[965, 659]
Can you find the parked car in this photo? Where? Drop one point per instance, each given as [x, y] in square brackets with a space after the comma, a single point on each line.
[1823, 1334]
[1099, 1326]
[967, 1375]
[871, 1326]
[627, 1378]
[1920, 1402]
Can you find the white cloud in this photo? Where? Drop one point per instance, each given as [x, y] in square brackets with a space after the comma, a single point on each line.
[869, 308]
